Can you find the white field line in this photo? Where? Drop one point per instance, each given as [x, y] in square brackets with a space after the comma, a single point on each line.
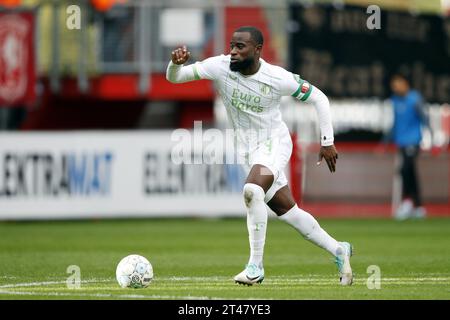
[274, 279]
[107, 295]
[94, 295]
[280, 280]
[47, 283]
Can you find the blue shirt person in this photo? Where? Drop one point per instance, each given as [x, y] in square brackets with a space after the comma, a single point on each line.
[409, 117]
[406, 134]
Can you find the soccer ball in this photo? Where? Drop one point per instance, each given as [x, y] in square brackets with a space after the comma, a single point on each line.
[134, 271]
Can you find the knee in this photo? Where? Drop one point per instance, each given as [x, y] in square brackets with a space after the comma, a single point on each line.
[253, 192]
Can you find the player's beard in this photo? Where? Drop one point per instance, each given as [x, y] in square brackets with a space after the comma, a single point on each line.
[241, 65]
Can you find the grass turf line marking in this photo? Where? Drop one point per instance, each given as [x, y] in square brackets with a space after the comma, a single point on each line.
[271, 280]
[106, 295]
[225, 280]
[94, 295]
[46, 283]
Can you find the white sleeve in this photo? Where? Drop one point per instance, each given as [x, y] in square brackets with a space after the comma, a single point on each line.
[322, 105]
[304, 91]
[178, 73]
[290, 82]
[293, 85]
[206, 69]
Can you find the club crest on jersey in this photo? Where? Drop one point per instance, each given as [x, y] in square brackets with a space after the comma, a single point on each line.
[265, 89]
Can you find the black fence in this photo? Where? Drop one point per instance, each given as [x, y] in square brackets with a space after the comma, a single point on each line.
[335, 49]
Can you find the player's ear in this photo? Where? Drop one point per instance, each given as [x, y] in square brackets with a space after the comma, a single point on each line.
[258, 48]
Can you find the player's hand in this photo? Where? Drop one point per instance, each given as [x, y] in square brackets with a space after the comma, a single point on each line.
[329, 153]
[180, 55]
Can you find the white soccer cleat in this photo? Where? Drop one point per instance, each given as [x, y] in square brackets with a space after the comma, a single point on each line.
[251, 275]
[404, 210]
[419, 213]
[343, 263]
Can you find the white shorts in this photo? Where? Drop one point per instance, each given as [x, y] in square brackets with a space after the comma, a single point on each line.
[274, 154]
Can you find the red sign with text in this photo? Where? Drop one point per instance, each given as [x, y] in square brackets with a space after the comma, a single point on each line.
[17, 59]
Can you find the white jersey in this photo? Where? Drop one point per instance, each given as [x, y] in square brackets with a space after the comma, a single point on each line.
[253, 102]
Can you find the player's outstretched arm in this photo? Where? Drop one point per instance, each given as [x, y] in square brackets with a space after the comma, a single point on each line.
[176, 72]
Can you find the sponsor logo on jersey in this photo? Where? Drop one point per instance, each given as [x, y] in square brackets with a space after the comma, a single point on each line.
[245, 101]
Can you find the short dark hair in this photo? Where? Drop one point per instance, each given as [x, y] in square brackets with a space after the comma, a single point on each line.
[255, 33]
[401, 75]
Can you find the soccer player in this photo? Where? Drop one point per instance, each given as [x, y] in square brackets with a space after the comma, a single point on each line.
[251, 90]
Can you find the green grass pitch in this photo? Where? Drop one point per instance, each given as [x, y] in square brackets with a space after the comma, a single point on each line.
[197, 259]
